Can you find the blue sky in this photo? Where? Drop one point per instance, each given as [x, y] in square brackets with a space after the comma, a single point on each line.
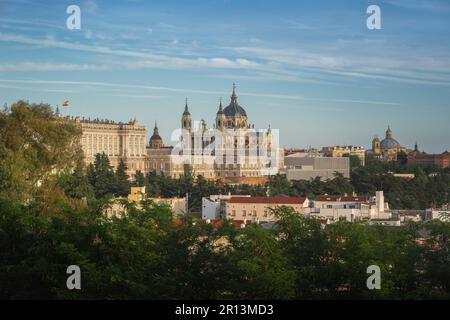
[310, 68]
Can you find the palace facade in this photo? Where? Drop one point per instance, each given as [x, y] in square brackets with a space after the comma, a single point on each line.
[119, 141]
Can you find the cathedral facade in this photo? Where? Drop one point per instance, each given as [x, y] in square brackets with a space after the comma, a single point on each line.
[232, 150]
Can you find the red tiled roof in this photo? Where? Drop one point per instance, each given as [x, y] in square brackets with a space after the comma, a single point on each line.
[177, 221]
[220, 223]
[269, 200]
[354, 199]
[327, 198]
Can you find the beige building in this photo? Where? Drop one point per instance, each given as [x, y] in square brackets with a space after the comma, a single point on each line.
[257, 209]
[342, 151]
[118, 141]
[386, 149]
[117, 207]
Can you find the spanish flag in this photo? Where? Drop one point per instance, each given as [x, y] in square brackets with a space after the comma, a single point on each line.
[65, 103]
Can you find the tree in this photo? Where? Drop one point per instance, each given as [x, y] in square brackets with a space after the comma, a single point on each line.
[402, 158]
[76, 185]
[122, 180]
[102, 177]
[34, 145]
[355, 162]
[139, 179]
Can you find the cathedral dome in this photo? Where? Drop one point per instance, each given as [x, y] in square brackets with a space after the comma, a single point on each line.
[234, 109]
[389, 143]
[155, 137]
[156, 140]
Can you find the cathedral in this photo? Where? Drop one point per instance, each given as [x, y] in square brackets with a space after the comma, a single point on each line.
[386, 149]
[232, 150]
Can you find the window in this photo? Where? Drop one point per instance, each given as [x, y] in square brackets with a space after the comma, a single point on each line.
[244, 213]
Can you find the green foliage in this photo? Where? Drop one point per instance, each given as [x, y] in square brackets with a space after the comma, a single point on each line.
[123, 184]
[33, 144]
[101, 176]
[146, 255]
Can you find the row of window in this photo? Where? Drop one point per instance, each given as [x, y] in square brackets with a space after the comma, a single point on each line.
[249, 214]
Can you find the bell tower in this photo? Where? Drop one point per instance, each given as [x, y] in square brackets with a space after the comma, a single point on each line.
[186, 119]
[220, 117]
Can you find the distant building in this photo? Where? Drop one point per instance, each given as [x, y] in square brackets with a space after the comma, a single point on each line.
[137, 194]
[248, 209]
[386, 149]
[442, 214]
[310, 152]
[422, 158]
[119, 141]
[350, 208]
[158, 155]
[214, 206]
[179, 206]
[257, 209]
[342, 151]
[300, 167]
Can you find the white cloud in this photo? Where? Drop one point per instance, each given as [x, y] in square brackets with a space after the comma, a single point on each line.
[193, 91]
[150, 60]
[34, 66]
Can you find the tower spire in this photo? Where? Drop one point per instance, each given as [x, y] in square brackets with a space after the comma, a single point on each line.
[233, 95]
[186, 108]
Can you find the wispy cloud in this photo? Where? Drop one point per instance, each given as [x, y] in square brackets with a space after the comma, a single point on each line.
[193, 91]
[148, 59]
[36, 66]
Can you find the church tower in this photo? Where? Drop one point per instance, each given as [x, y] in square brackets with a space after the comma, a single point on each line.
[376, 146]
[156, 141]
[220, 117]
[186, 119]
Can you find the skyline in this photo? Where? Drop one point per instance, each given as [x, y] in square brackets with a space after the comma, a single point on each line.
[313, 70]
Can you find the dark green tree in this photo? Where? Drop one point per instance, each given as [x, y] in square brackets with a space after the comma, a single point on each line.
[123, 184]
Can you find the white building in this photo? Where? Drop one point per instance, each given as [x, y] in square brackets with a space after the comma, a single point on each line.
[437, 214]
[213, 207]
[350, 208]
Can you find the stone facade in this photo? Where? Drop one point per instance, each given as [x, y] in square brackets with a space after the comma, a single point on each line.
[126, 141]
